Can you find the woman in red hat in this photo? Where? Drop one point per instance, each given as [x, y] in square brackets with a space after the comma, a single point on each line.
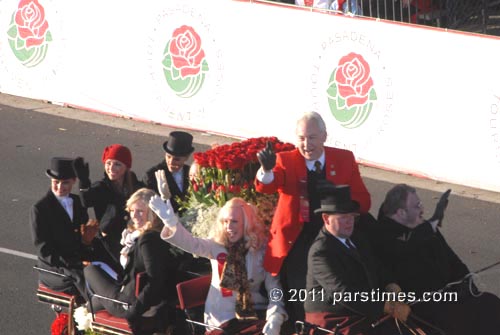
[108, 197]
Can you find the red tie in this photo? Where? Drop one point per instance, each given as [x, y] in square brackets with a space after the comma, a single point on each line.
[308, 3]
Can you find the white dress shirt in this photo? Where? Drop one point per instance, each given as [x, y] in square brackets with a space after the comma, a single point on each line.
[67, 204]
[179, 180]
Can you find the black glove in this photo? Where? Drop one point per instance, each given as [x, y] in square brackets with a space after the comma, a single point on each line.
[267, 157]
[82, 172]
[440, 208]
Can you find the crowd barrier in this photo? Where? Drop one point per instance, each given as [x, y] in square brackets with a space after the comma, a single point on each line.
[419, 100]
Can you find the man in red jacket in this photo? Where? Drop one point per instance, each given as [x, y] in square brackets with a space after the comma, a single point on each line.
[295, 175]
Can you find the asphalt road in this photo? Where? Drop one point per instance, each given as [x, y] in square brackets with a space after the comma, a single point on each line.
[28, 139]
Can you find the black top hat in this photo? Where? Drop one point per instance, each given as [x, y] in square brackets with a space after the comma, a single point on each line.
[337, 200]
[61, 168]
[179, 143]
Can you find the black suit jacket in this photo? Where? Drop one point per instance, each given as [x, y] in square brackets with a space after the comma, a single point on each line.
[149, 180]
[152, 255]
[419, 259]
[109, 206]
[333, 268]
[57, 238]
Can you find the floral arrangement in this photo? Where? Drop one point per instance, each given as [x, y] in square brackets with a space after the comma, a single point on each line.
[60, 324]
[83, 321]
[224, 172]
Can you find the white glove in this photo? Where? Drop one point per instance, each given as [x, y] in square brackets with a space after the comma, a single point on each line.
[273, 325]
[164, 211]
[161, 182]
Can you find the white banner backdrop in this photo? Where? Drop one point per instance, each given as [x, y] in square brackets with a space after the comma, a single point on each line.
[417, 100]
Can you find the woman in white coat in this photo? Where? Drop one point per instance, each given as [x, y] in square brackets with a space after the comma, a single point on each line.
[235, 250]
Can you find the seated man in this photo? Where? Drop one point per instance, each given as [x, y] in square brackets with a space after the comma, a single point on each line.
[343, 278]
[417, 254]
[61, 233]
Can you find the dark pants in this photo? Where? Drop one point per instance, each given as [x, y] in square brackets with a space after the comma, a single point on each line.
[101, 283]
[72, 282]
[470, 315]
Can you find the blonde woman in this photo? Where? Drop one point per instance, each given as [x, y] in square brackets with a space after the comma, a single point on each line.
[235, 249]
[148, 254]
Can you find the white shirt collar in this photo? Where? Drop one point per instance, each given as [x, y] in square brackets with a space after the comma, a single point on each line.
[344, 241]
[321, 159]
[62, 199]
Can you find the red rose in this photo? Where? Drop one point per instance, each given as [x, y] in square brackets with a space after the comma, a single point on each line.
[201, 159]
[31, 23]
[194, 185]
[60, 324]
[353, 79]
[186, 51]
[221, 189]
[221, 163]
[235, 189]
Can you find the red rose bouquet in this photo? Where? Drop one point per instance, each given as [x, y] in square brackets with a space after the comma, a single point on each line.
[224, 172]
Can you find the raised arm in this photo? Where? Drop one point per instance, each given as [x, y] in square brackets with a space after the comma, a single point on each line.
[173, 232]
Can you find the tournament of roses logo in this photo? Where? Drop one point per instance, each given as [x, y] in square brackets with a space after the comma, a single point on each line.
[350, 91]
[184, 63]
[28, 33]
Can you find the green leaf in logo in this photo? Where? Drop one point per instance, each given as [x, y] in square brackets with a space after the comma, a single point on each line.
[12, 32]
[332, 90]
[167, 61]
[204, 66]
[341, 114]
[176, 74]
[341, 102]
[48, 37]
[372, 95]
[332, 76]
[167, 48]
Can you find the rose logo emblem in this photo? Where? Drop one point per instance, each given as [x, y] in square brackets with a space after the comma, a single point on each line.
[28, 33]
[184, 63]
[350, 91]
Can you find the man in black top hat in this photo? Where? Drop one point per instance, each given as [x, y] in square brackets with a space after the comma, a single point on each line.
[174, 180]
[60, 231]
[342, 273]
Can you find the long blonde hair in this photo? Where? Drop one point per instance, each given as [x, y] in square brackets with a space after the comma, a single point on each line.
[152, 220]
[254, 231]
